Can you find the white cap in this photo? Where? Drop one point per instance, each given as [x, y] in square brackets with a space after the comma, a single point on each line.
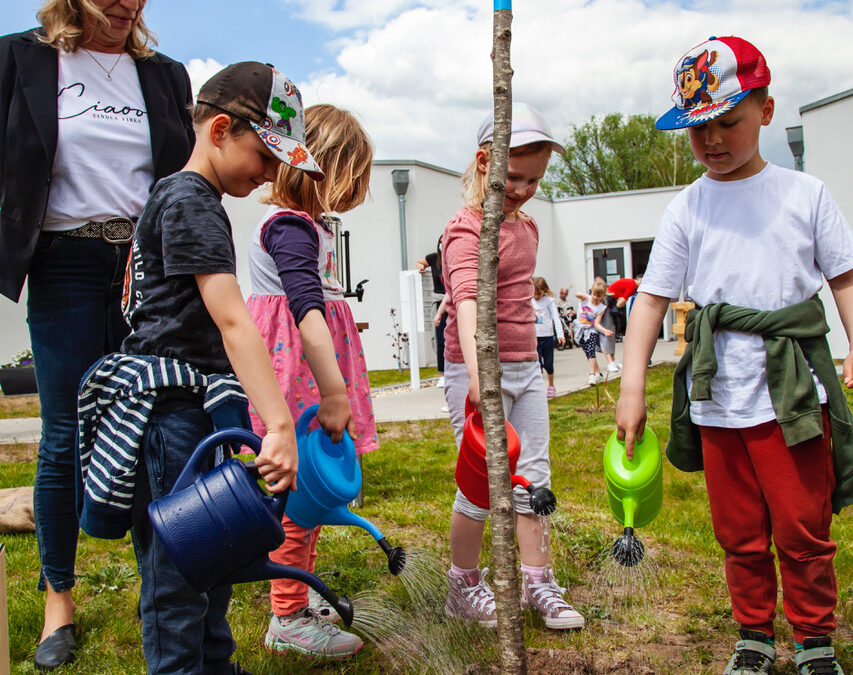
[528, 126]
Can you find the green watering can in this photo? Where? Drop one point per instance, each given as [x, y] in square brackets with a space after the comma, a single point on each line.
[634, 491]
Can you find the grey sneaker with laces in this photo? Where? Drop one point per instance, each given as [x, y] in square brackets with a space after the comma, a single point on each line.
[307, 632]
[817, 658]
[547, 599]
[473, 603]
[323, 608]
[752, 655]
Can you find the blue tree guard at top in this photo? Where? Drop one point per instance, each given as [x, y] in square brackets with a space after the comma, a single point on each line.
[503, 4]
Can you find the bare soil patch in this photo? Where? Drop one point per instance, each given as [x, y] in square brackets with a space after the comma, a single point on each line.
[19, 406]
[18, 452]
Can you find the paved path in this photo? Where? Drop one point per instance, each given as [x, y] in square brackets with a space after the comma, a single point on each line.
[401, 404]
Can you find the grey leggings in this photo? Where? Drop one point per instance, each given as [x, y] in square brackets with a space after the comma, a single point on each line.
[526, 408]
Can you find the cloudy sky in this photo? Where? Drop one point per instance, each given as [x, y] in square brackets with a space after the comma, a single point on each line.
[418, 73]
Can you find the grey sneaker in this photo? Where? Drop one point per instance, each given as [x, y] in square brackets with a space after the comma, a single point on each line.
[321, 607]
[474, 603]
[547, 599]
[817, 658]
[306, 632]
[752, 655]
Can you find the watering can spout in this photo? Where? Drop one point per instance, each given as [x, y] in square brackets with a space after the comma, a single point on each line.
[396, 556]
[264, 568]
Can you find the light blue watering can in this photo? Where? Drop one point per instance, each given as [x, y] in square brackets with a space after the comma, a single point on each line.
[328, 479]
[219, 527]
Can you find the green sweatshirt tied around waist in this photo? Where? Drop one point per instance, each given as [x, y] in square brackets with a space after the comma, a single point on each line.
[794, 338]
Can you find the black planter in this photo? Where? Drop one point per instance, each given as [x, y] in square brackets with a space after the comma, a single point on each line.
[19, 380]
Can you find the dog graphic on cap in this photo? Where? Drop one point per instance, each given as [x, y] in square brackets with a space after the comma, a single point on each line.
[695, 79]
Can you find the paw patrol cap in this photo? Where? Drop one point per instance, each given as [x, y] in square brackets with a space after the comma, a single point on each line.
[259, 94]
[528, 126]
[713, 78]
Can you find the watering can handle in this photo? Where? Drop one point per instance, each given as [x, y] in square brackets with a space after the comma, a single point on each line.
[305, 419]
[209, 443]
[469, 409]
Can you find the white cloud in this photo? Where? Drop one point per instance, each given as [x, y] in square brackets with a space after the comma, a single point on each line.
[419, 73]
[201, 70]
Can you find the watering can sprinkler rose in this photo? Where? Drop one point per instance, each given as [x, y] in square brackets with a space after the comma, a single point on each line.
[634, 491]
[472, 472]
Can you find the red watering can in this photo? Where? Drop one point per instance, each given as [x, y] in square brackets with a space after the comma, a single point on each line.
[472, 474]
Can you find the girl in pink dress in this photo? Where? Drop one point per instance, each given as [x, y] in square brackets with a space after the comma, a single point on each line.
[298, 305]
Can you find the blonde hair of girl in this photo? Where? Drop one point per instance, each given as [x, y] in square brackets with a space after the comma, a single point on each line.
[598, 290]
[65, 25]
[540, 288]
[474, 183]
[342, 149]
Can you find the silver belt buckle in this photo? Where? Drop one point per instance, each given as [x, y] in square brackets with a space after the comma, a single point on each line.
[116, 222]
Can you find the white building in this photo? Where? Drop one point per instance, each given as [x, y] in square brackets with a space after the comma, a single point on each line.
[608, 235]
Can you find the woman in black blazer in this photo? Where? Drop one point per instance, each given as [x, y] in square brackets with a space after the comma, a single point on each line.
[90, 118]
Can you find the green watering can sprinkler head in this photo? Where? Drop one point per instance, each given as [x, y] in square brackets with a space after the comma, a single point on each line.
[634, 492]
[628, 550]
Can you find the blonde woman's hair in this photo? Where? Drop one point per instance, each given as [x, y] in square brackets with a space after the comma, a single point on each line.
[540, 288]
[474, 184]
[599, 289]
[64, 22]
[343, 151]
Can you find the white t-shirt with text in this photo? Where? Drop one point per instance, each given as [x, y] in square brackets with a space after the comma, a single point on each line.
[103, 165]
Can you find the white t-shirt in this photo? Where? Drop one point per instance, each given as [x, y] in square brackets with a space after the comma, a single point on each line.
[546, 319]
[103, 165]
[761, 242]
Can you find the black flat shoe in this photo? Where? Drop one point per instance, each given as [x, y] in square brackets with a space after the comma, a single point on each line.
[56, 649]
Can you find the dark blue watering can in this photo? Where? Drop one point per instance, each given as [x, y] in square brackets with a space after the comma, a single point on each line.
[219, 527]
[329, 478]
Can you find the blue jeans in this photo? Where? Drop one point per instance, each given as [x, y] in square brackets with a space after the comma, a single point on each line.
[183, 631]
[74, 313]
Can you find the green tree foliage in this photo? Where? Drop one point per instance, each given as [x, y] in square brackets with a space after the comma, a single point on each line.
[616, 153]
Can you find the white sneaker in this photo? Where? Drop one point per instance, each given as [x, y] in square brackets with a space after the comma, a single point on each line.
[445, 409]
[547, 599]
[440, 382]
[593, 379]
[472, 603]
[306, 632]
[613, 367]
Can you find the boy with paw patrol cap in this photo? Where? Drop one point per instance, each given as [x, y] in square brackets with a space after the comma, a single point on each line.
[766, 417]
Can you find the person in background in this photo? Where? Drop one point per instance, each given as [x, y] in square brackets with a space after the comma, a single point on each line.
[548, 324]
[562, 300]
[72, 182]
[588, 325]
[623, 290]
[433, 262]
[607, 338]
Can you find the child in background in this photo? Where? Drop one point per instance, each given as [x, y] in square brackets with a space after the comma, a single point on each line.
[187, 310]
[526, 407]
[756, 398]
[588, 325]
[548, 323]
[298, 304]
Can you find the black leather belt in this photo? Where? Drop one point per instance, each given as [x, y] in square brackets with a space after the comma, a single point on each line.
[115, 230]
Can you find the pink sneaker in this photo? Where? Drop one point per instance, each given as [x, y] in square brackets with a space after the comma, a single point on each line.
[473, 603]
[550, 392]
[547, 599]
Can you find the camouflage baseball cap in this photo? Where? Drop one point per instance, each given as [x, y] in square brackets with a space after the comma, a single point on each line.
[259, 94]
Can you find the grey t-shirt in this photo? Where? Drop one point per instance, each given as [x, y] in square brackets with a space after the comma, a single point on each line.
[183, 231]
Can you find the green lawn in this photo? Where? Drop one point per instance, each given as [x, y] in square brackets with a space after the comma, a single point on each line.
[383, 378]
[685, 626]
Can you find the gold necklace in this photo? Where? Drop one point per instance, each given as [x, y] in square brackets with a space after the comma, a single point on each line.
[100, 65]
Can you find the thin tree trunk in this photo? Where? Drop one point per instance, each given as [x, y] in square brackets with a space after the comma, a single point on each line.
[507, 598]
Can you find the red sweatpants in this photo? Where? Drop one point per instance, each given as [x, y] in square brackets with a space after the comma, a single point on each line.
[298, 550]
[759, 488]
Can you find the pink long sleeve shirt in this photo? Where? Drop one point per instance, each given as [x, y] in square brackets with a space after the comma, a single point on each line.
[517, 250]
